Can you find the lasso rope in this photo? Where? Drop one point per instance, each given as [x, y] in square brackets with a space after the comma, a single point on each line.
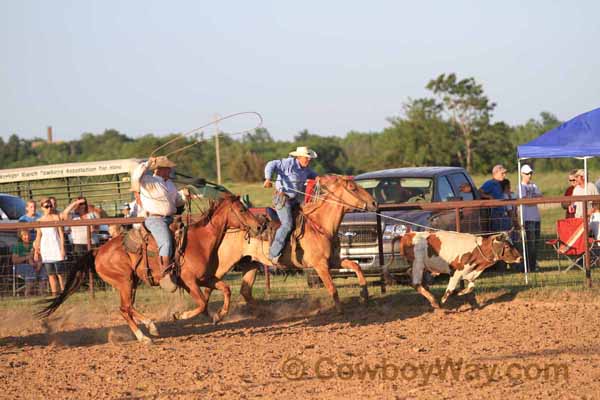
[323, 198]
[199, 129]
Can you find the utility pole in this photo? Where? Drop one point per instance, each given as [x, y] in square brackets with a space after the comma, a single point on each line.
[217, 149]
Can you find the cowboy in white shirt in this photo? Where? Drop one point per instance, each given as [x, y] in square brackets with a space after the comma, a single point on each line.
[159, 198]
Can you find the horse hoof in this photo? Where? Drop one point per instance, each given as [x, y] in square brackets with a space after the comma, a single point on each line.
[216, 318]
[176, 316]
[146, 340]
[153, 330]
[364, 294]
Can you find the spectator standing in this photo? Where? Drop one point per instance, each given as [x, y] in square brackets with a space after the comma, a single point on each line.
[30, 215]
[595, 220]
[49, 247]
[581, 189]
[491, 189]
[569, 208]
[79, 234]
[510, 210]
[531, 217]
[22, 259]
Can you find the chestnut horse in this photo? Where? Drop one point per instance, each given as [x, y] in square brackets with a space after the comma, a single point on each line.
[322, 218]
[117, 267]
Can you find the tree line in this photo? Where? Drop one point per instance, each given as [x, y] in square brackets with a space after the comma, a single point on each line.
[452, 126]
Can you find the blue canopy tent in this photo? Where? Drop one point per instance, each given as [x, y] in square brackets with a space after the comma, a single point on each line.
[576, 138]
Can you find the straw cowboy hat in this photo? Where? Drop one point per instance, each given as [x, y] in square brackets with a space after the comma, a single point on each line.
[304, 151]
[161, 162]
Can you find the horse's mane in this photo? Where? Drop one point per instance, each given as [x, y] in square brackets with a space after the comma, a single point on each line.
[316, 200]
[205, 217]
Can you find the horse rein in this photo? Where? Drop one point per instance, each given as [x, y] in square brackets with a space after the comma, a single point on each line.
[339, 199]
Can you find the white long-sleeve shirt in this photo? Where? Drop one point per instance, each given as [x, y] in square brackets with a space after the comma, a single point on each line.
[158, 196]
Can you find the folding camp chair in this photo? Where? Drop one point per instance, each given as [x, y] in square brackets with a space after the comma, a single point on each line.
[570, 243]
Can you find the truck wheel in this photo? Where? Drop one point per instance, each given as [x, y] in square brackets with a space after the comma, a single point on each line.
[313, 280]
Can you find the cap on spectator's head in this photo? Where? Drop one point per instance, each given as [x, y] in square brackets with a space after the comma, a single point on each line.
[526, 169]
[580, 172]
[498, 168]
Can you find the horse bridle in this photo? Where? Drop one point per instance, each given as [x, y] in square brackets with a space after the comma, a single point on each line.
[339, 199]
[243, 226]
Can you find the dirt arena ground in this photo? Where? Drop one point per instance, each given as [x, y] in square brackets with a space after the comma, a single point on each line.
[508, 347]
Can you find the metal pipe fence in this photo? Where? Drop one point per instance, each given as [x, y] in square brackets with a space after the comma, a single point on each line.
[552, 256]
[551, 266]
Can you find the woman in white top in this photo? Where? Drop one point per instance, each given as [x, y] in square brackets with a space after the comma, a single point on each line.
[49, 247]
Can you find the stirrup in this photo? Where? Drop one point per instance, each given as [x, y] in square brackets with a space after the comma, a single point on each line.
[168, 269]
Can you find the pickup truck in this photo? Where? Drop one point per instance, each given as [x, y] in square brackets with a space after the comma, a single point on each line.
[358, 232]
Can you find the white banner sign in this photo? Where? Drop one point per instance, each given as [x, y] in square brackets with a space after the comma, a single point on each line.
[95, 168]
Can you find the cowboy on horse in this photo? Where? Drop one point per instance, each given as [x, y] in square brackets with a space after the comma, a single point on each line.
[292, 173]
[159, 199]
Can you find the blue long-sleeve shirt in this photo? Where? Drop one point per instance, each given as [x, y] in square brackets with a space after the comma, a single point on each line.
[290, 175]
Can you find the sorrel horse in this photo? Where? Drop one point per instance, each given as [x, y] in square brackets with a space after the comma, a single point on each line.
[117, 267]
[323, 216]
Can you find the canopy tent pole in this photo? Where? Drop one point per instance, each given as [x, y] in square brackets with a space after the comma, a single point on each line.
[585, 173]
[522, 228]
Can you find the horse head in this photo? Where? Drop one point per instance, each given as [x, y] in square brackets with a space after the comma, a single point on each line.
[237, 215]
[345, 190]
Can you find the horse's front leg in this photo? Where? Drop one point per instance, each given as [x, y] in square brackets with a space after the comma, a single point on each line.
[141, 318]
[364, 292]
[322, 268]
[189, 279]
[249, 271]
[216, 283]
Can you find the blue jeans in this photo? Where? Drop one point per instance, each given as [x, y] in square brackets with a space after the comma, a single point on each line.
[532, 237]
[499, 220]
[159, 227]
[28, 273]
[284, 212]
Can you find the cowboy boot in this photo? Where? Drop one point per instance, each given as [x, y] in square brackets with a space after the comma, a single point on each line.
[166, 280]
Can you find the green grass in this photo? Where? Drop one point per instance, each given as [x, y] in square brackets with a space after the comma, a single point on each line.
[549, 284]
[259, 196]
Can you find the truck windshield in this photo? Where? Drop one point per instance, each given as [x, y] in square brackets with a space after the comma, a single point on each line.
[398, 190]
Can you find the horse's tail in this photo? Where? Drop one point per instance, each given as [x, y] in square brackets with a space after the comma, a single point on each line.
[76, 277]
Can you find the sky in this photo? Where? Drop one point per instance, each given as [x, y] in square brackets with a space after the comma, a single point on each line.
[327, 66]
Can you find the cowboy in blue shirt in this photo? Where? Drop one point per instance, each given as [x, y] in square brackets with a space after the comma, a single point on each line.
[292, 173]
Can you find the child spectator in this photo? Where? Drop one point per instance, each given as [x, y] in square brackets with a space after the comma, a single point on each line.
[25, 266]
[30, 215]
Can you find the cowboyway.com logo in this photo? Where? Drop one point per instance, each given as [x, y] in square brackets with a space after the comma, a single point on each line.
[448, 369]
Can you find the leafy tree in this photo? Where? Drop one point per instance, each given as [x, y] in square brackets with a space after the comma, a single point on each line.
[467, 107]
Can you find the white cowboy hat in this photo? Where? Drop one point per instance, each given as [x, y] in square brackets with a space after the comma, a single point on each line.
[304, 151]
